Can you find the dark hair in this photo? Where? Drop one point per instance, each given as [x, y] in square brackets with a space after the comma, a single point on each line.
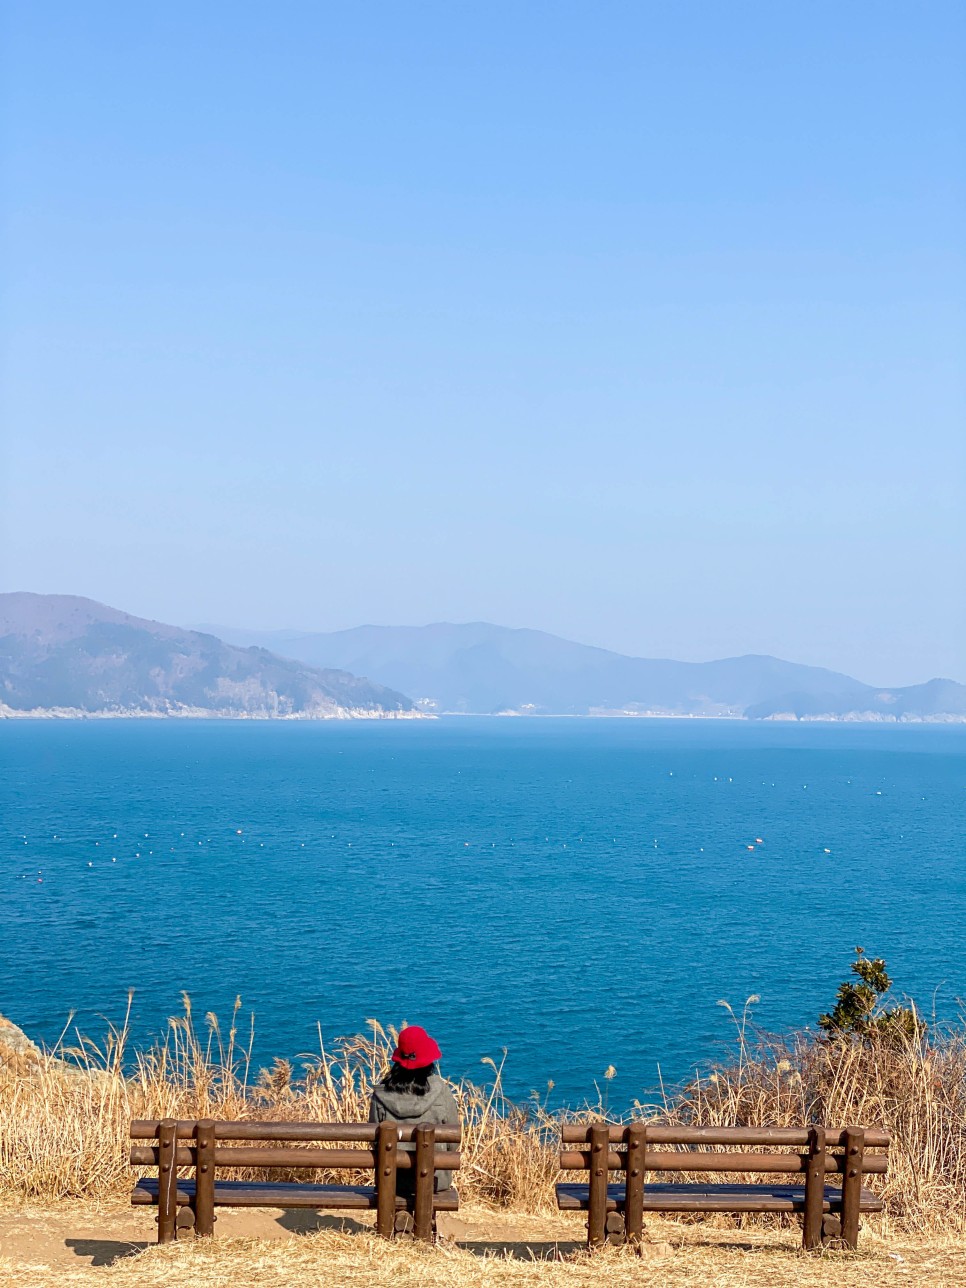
[399, 1078]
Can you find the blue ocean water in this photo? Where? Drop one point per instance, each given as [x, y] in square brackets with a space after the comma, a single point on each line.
[579, 892]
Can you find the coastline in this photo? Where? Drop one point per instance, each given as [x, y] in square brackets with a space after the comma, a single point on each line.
[854, 717]
[364, 713]
[206, 713]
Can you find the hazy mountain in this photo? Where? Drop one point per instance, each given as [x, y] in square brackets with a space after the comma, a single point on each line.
[482, 668]
[935, 700]
[61, 651]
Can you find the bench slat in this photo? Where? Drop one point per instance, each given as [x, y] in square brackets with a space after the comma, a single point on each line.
[147, 1129]
[657, 1134]
[713, 1198]
[280, 1194]
[279, 1156]
[665, 1160]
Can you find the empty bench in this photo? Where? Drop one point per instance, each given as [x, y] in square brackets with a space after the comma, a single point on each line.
[205, 1146]
[616, 1211]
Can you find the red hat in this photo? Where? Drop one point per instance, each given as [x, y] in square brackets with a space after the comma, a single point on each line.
[415, 1049]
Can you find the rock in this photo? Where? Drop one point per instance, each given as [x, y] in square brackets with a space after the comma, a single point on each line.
[19, 1057]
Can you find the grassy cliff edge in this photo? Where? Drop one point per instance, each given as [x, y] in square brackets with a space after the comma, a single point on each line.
[66, 1112]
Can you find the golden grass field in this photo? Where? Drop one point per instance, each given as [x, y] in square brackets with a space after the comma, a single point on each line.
[57, 1245]
[64, 1177]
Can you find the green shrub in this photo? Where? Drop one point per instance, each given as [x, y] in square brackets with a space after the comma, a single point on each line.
[858, 1008]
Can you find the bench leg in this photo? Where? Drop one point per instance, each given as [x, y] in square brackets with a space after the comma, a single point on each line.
[852, 1185]
[205, 1179]
[636, 1136]
[387, 1141]
[814, 1190]
[597, 1205]
[167, 1181]
[424, 1183]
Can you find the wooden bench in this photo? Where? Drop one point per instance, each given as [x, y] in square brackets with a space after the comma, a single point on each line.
[616, 1211]
[189, 1203]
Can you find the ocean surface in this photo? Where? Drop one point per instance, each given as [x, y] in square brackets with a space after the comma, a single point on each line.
[580, 893]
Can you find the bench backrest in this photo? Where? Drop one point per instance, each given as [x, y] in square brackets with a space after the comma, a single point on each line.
[277, 1155]
[197, 1143]
[633, 1150]
[697, 1149]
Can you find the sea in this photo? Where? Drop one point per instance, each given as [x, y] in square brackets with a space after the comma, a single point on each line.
[563, 897]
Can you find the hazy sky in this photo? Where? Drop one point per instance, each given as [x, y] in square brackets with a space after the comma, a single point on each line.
[643, 323]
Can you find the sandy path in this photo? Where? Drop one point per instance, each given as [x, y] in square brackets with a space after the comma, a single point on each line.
[72, 1235]
[87, 1245]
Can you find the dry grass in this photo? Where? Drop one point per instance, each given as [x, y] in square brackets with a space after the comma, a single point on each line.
[913, 1086]
[66, 1125]
[65, 1132]
[697, 1257]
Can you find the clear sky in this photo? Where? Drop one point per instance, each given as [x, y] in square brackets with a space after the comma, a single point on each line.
[643, 323]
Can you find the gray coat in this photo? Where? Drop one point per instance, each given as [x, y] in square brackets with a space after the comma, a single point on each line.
[438, 1105]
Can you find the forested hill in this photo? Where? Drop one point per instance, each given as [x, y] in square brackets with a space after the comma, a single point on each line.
[71, 655]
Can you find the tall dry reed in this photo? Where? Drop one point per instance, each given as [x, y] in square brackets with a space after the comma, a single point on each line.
[64, 1128]
[912, 1084]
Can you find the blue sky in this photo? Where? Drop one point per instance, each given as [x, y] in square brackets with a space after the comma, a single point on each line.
[640, 323]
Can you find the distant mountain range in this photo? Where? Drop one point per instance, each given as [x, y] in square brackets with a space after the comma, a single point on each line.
[60, 654]
[63, 655]
[488, 669]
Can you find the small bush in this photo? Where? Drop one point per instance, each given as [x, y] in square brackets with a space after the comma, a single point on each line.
[858, 1009]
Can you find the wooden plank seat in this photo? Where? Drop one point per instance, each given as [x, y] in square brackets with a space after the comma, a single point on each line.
[285, 1194]
[615, 1210]
[713, 1198]
[386, 1149]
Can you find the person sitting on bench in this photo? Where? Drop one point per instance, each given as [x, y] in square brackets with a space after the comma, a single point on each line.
[413, 1092]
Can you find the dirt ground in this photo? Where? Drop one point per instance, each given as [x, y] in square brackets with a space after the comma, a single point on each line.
[113, 1245]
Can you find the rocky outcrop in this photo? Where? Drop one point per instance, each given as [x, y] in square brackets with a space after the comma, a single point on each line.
[19, 1056]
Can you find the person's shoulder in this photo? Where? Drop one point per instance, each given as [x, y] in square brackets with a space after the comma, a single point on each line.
[443, 1087]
